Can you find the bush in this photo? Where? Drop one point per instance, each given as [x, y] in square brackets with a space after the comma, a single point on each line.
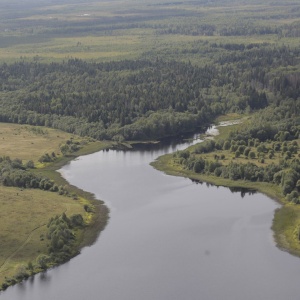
[251, 155]
[184, 154]
[226, 145]
[29, 165]
[205, 147]
[77, 220]
[218, 171]
[45, 158]
[246, 151]
[199, 166]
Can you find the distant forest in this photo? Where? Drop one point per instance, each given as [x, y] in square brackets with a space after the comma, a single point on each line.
[147, 99]
[166, 68]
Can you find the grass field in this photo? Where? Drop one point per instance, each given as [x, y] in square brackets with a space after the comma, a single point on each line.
[23, 218]
[28, 142]
[103, 31]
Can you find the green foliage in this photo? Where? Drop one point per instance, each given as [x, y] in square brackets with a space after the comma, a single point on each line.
[144, 99]
[61, 236]
[205, 147]
[14, 173]
[29, 165]
[70, 146]
[77, 220]
[45, 158]
[42, 261]
[286, 173]
[109, 100]
[199, 166]
[289, 179]
[251, 154]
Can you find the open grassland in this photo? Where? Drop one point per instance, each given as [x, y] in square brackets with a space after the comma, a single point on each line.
[31, 142]
[117, 30]
[23, 218]
[25, 212]
[28, 142]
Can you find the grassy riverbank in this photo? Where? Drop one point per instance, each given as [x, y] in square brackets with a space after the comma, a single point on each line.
[286, 221]
[26, 212]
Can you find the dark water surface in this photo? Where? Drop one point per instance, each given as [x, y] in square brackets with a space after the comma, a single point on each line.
[168, 238]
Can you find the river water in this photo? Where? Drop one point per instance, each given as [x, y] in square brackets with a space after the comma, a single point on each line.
[168, 238]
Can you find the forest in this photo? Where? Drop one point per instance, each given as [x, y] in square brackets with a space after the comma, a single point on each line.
[147, 99]
[147, 71]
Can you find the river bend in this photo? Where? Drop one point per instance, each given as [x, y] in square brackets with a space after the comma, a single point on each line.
[168, 238]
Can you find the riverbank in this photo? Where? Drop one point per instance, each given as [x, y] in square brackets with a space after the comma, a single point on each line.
[286, 219]
[26, 211]
[98, 216]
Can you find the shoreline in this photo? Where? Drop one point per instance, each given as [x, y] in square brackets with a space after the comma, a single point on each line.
[285, 219]
[97, 219]
[100, 216]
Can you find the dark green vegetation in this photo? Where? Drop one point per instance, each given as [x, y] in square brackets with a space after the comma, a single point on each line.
[144, 99]
[192, 62]
[15, 173]
[253, 159]
[61, 236]
[146, 70]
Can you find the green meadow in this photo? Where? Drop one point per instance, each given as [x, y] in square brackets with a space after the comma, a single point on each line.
[104, 31]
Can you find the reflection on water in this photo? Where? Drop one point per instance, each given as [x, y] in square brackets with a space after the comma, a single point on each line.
[243, 191]
[44, 277]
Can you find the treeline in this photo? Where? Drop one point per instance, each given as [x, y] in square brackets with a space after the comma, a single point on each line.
[102, 100]
[265, 149]
[286, 173]
[207, 29]
[143, 99]
[14, 173]
[276, 123]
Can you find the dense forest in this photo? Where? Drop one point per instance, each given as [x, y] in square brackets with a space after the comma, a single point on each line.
[147, 70]
[148, 99]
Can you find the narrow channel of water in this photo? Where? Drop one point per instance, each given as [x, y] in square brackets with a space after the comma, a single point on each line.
[168, 238]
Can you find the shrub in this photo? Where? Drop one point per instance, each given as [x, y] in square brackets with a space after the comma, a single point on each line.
[77, 220]
[198, 167]
[251, 155]
[226, 145]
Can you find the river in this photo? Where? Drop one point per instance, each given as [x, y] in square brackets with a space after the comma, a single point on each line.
[168, 238]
